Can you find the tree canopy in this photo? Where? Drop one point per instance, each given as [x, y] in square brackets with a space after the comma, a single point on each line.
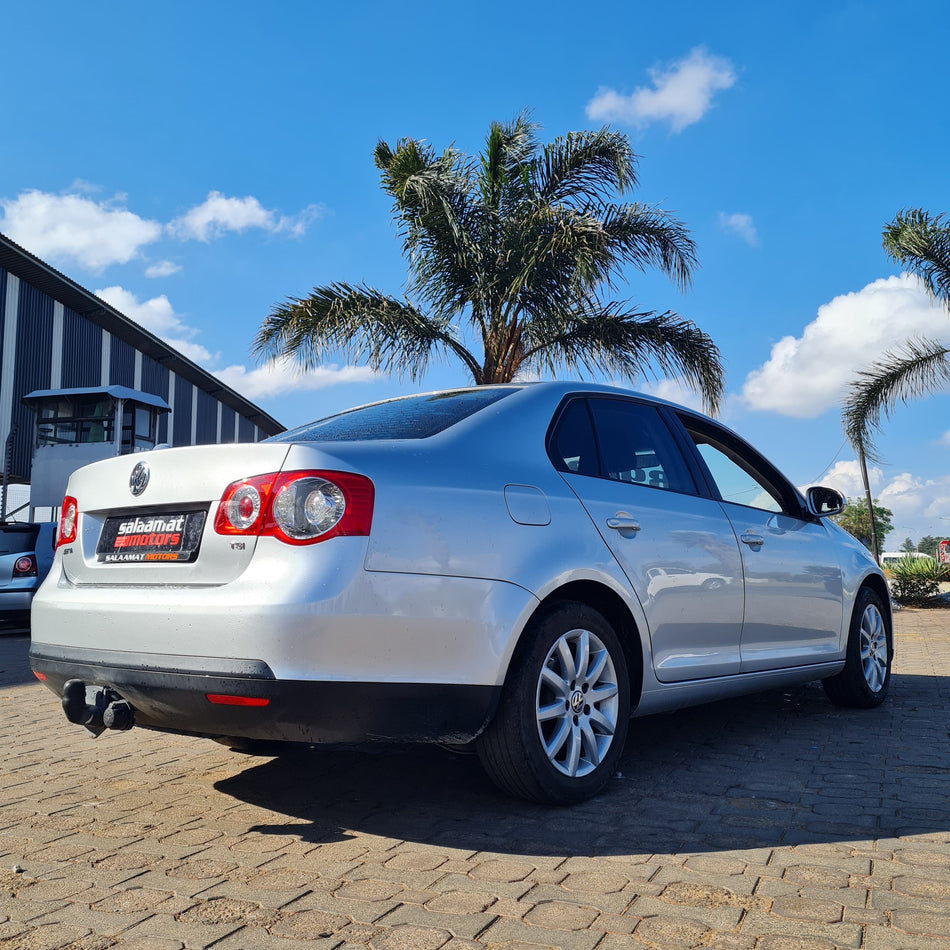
[928, 545]
[854, 519]
[512, 257]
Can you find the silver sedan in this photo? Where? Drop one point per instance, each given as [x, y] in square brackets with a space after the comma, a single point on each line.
[520, 567]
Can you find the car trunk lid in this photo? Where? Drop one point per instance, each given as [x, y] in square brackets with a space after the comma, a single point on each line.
[148, 519]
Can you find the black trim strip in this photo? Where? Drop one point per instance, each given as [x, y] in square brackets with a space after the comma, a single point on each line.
[154, 662]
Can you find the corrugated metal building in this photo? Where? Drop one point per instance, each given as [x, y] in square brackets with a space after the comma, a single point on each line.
[55, 334]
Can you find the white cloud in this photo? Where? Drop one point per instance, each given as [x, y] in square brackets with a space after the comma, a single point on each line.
[195, 352]
[162, 269]
[846, 477]
[681, 95]
[82, 187]
[73, 228]
[673, 390]
[807, 375]
[740, 224]
[945, 439]
[157, 316]
[919, 504]
[279, 377]
[275, 378]
[219, 214]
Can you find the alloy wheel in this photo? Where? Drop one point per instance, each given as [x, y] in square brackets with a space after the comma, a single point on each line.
[577, 703]
[873, 647]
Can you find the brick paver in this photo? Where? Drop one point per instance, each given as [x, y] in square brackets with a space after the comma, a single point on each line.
[774, 822]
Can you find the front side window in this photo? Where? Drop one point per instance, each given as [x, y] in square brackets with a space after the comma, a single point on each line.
[740, 478]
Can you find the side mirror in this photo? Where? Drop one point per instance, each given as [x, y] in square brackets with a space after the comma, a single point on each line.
[823, 502]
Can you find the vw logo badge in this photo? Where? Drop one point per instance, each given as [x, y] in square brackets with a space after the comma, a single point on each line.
[138, 480]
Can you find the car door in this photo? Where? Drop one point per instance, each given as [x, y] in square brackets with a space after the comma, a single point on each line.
[793, 579]
[677, 549]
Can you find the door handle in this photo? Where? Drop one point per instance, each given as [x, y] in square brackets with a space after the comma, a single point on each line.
[623, 524]
[753, 540]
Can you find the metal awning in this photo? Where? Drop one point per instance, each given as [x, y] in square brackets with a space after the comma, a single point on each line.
[116, 392]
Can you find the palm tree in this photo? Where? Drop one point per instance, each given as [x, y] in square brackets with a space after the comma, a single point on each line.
[920, 243]
[518, 245]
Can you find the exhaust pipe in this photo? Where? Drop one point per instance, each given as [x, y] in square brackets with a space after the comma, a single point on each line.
[96, 708]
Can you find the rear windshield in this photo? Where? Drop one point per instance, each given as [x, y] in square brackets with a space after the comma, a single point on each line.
[17, 540]
[413, 417]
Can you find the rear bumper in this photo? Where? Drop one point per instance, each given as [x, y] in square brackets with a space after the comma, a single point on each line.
[15, 610]
[169, 693]
[306, 619]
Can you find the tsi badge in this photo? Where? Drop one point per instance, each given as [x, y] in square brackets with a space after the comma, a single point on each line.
[138, 480]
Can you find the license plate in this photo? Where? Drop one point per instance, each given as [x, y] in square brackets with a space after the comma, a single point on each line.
[159, 538]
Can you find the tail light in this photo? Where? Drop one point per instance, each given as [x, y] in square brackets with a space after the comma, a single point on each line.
[25, 566]
[300, 507]
[68, 521]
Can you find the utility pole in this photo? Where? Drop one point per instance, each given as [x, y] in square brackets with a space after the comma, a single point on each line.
[870, 503]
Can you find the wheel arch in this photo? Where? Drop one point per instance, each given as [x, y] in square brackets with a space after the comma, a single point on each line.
[612, 607]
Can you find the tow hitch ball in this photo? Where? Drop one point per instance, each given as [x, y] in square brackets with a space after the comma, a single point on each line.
[96, 708]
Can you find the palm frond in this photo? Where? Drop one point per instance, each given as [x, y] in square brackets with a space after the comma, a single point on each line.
[508, 147]
[917, 369]
[586, 166]
[560, 251]
[920, 242]
[629, 344]
[391, 335]
[435, 216]
[647, 236]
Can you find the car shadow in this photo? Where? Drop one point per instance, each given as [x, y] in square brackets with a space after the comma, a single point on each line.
[779, 768]
[14, 659]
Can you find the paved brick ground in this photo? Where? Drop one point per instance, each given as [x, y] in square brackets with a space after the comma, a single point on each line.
[771, 823]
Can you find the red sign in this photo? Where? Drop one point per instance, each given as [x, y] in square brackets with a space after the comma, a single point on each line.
[943, 552]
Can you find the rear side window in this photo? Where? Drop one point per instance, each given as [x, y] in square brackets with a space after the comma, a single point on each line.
[414, 417]
[619, 439]
[572, 445]
[636, 446]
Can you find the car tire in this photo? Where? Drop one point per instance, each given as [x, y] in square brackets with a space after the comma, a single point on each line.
[866, 677]
[562, 719]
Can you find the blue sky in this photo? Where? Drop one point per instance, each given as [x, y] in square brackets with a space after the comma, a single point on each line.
[196, 163]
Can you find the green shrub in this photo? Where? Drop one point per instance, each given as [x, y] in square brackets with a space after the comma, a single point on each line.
[915, 582]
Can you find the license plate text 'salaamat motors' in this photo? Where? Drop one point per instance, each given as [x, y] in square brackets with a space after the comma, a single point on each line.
[171, 537]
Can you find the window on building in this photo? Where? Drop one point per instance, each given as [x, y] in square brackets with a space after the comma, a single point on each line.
[69, 420]
[138, 428]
